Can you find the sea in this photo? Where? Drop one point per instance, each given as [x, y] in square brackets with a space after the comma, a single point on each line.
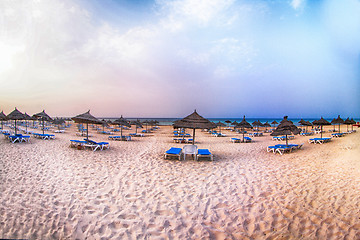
[170, 121]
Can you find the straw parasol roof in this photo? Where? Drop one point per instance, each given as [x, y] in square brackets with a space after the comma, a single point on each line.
[43, 117]
[338, 120]
[3, 117]
[15, 115]
[244, 124]
[347, 122]
[220, 124]
[122, 122]
[286, 127]
[321, 122]
[86, 118]
[194, 121]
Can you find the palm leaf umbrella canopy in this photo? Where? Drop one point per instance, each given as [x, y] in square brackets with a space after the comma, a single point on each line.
[3, 118]
[86, 118]
[220, 124]
[15, 115]
[59, 122]
[122, 122]
[228, 122]
[321, 122]
[137, 124]
[266, 125]
[43, 117]
[302, 122]
[194, 121]
[347, 122]
[339, 121]
[274, 123]
[244, 124]
[257, 124]
[286, 127]
[234, 123]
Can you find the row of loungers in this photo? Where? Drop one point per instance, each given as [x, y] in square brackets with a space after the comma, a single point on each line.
[183, 140]
[238, 140]
[282, 138]
[282, 148]
[89, 144]
[189, 149]
[120, 138]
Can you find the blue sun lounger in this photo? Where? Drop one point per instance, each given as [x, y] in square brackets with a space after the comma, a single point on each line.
[173, 152]
[18, 138]
[235, 140]
[204, 153]
[319, 140]
[96, 145]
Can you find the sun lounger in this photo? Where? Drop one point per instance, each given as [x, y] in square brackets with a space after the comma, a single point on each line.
[319, 140]
[96, 145]
[173, 152]
[18, 138]
[235, 140]
[337, 135]
[282, 148]
[44, 136]
[247, 139]
[204, 153]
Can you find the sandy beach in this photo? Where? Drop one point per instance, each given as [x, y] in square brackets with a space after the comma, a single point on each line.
[51, 191]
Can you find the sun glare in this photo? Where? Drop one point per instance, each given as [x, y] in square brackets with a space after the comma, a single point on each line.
[7, 55]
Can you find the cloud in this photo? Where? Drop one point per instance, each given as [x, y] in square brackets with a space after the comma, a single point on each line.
[297, 4]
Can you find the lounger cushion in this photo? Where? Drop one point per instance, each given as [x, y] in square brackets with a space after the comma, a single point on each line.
[174, 150]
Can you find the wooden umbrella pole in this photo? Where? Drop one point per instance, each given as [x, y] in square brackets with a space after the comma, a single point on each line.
[193, 136]
[87, 131]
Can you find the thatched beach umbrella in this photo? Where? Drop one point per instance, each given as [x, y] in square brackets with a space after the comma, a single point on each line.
[266, 125]
[15, 115]
[228, 122]
[3, 118]
[137, 124]
[339, 121]
[304, 123]
[347, 122]
[220, 124]
[194, 121]
[257, 124]
[244, 124]
[321, 122]
[286, 127]
[122, 122]
[43, 117]
[86, 118]
[234, 123]
[274, 123]
[59, 122]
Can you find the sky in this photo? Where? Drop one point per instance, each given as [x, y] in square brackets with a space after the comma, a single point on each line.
[165, 58]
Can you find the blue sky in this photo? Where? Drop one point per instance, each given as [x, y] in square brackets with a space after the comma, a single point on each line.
[162, 58]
